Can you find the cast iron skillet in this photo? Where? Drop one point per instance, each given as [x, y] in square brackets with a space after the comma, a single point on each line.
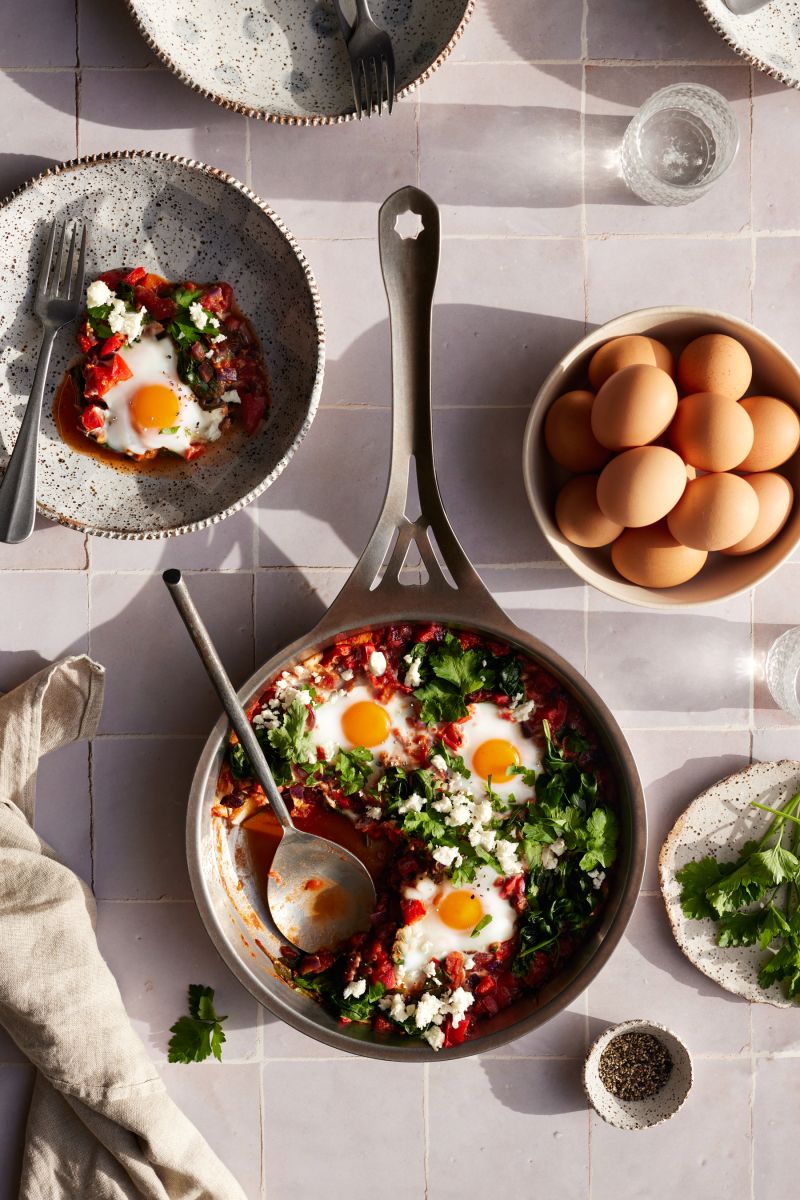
[453, 594]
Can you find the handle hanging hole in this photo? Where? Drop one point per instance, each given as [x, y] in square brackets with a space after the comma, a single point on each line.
[409, 225]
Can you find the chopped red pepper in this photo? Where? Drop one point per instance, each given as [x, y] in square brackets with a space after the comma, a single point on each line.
[161, 308]
[86, 337]
[194, 452]
[100, 377]
[413, 910]
[135, 276]
[92, 418]
[112, 344]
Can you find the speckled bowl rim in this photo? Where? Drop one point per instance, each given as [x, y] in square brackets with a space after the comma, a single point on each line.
[599, 1044]
[752, 59]
[154, 535]
[277, 118]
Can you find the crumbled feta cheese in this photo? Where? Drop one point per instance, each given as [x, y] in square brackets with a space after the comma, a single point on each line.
[462, 810]
[434, 1036]
[396, 1007]
[482, 812]
[443, 805]
[116, 317]
[413, 677]
[266, 719]
[355, 989]
[201, 317]
[430, 969]
[229, 397]
[377, 663]
[132, 324]
[438, 763]
[552, 853]
[521, 712]
[469, 962]
[506, 853]
[347, 675]
[448, 856]
[219, 338]
[429, 1011]
[597, 878]
[414, 803]
[457, 1003]
[374, 813]
[98, 293]
[484, 838]
[287, 692]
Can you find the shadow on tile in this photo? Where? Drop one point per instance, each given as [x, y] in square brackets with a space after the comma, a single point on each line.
[566, 1097]
[16, 169]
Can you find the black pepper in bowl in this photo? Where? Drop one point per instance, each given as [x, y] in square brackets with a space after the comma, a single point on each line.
[634, 1066]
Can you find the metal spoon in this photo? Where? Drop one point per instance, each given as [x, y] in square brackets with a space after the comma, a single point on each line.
[318, 893]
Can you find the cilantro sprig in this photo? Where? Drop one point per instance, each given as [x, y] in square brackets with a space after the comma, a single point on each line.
[196, 1037]
[754, 899]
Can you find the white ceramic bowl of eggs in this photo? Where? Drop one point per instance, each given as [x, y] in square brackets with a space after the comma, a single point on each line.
[678, 480]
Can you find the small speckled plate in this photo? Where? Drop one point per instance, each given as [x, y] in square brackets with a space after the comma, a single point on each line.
[182, 220]
[769, 38]
[719, 822]
[285, 60]
[639, 1114]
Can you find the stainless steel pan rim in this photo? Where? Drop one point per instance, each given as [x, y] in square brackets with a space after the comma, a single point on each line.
[372, 597]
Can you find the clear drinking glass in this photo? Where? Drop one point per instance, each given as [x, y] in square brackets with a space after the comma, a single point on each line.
[782, 671]
[679, 143]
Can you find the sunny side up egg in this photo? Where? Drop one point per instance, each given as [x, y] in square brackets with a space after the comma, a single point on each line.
[451, 917]
[155, 409]
[492, 745]
[357, 719]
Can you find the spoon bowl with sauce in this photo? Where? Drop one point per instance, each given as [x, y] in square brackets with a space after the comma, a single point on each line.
[318, 892]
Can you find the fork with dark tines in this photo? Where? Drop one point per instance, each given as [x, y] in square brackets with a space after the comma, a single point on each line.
[371, 59]
[58, 299]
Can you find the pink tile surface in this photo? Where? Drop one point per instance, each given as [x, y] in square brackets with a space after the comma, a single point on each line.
[540, 241]
[518, 1114]
[649, 977]
[155, 951]
[500, 148]
[334, 1104]
[161, 687]
[674, 30]
[712, 1131]
[522, 29]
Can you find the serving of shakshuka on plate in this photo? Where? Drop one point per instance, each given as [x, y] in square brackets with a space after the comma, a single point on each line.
[476, 792]
[165, 369]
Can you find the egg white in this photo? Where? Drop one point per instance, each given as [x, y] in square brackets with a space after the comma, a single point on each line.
[430, 938]
[153, 361]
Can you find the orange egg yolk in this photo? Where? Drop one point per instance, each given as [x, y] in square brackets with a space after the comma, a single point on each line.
[154, 406]
[366, 723]
[494, 758]
[460, 910]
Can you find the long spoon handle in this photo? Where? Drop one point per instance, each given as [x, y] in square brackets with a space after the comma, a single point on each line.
[226, 692]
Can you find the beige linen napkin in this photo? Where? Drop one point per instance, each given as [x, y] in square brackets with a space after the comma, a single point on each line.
[101, 1126]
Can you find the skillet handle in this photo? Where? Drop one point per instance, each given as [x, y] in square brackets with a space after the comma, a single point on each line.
[410, 265]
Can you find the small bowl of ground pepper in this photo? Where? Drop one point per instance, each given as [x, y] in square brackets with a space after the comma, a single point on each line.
[637, 1074]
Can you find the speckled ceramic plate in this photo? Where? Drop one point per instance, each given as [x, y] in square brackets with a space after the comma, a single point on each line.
[769, 38]
[182, 220]
[285, 60]
[719, 822]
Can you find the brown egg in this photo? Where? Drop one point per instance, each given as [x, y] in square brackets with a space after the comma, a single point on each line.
[711, 432]
[715, 363]
[568, 433]
[775, 500]
[777, 432]
[633, 407]
[628, 351]
[653, 558]
[578, 514]
[641, 485]
[714, 512]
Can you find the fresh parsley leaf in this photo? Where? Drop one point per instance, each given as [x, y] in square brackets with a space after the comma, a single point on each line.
[359, 1008]
[291, 743]
[238, 762]
[743, 886]
[695, 878]
[508, 675]
[456, 674]
[779, 864]
[783, 967]
[200, 1034]
[185, 296]
[354, 768]
[741, 928]
[454, 761]
[601, 832]
[484, 921]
